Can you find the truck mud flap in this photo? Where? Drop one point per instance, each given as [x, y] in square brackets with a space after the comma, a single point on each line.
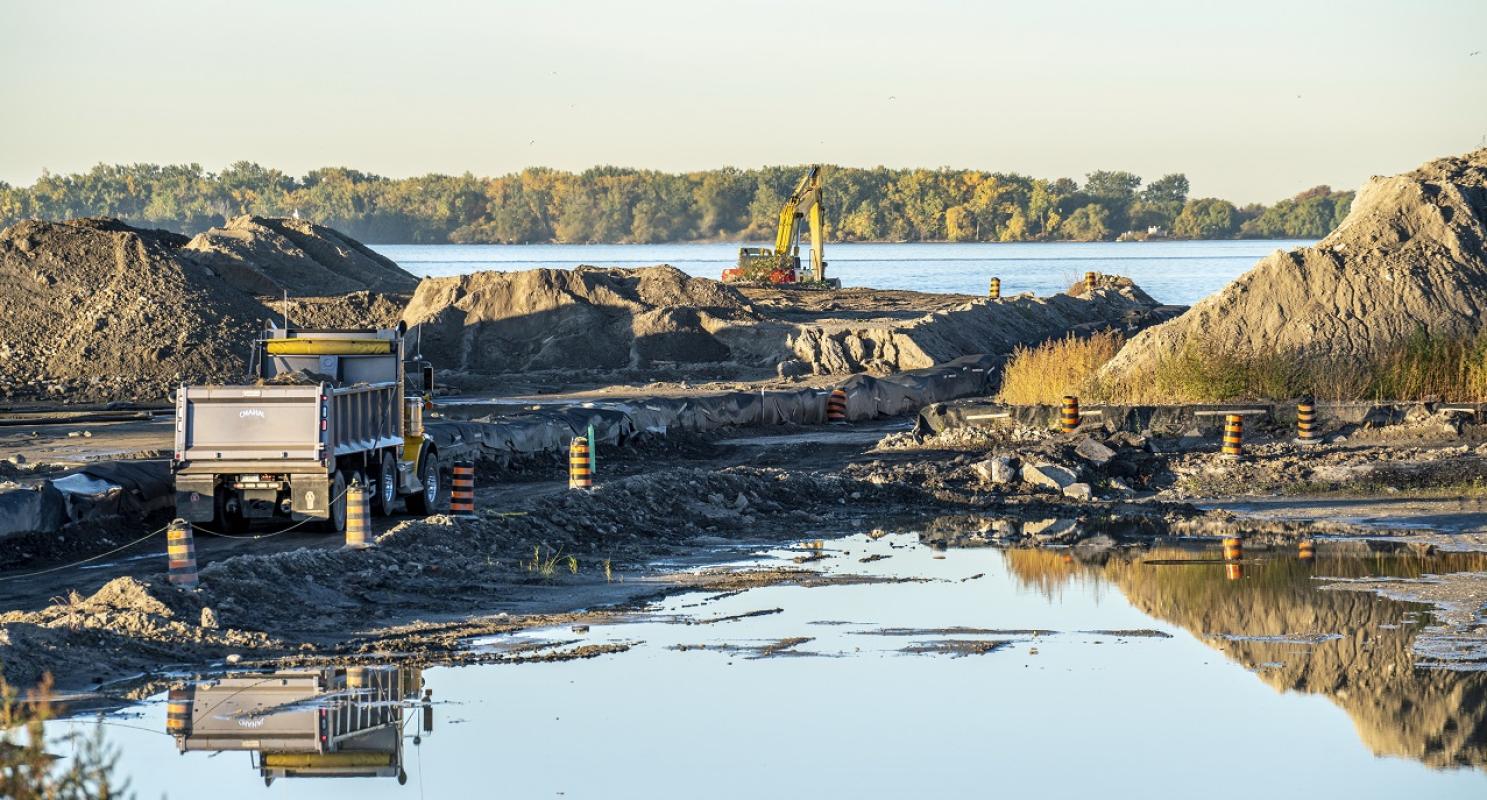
[310, 495]
[195, 499]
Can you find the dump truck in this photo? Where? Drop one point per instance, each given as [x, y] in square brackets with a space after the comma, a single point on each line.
[328, 722]
[327, 409]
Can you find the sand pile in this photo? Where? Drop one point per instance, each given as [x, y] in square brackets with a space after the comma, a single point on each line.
[96, 309]
[586, 318]
[268, 256]
[1410, 255]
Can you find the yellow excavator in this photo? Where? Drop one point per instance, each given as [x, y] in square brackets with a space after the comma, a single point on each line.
[782, 264]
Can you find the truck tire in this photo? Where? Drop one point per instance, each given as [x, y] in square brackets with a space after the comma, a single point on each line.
[427, 499]
[385, 494]
[227, 519]
[336, 522]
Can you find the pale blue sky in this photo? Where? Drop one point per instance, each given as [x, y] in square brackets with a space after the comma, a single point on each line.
[1254, 100]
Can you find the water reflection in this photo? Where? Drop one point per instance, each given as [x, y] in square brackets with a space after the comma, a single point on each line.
[327, 722]
[1269, 614]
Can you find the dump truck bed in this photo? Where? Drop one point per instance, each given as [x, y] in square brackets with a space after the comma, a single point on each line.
[282, 428]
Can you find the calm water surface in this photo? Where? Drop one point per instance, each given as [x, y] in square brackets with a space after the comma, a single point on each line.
[1171, 271]
[1110, 676]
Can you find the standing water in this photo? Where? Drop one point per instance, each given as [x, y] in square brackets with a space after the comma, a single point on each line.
[1175, 272]
[901, 670]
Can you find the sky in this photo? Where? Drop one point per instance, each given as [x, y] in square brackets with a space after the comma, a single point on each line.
[1253, 101]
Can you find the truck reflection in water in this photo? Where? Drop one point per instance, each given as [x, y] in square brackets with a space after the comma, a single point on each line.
[329, 722]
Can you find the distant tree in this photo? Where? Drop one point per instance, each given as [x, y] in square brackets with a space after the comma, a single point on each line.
[1206, 218]
[1089, 223]
[1166, 189]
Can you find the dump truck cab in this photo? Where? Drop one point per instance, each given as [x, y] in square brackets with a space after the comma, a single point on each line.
[327, 409]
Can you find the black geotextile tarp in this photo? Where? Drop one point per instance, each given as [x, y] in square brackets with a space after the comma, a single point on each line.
[548, 430]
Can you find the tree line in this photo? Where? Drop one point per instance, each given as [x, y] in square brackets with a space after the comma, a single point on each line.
[614, 204]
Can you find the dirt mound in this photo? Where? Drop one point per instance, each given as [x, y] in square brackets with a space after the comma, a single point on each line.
[268, 256]
[96, 309]
[978, 326]
[586, 318]
[1410, 255]
[354, 310]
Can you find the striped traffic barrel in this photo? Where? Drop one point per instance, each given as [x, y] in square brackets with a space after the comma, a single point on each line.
[994, 291]
[1233, 436]
[462, 490]
[1233, 548]
[180, 551]
[1090, 280]
[1306, 550]
[178, 711]
[836, 406]
[358, 516]
[580, 474]
[1306, 421]
[1068, 418]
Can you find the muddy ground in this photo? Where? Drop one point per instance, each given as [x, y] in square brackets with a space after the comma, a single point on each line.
[537, 550]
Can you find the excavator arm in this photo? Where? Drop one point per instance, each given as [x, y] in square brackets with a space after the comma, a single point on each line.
[782, 264]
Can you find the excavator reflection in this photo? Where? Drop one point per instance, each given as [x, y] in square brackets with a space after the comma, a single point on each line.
[782, 264]
[328, 722]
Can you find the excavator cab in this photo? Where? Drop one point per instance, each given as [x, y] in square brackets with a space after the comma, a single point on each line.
[781, 266]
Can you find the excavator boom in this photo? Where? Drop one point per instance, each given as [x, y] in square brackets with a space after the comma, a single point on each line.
[782, 265]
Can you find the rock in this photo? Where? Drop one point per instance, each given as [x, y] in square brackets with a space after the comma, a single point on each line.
[1079, 491]
[17, 459]
[233, 658]
[792, 368]
[1093, 452]
[740, 503]
[1049, 476]
[997, 470]
[1121, 487]
[208, 617]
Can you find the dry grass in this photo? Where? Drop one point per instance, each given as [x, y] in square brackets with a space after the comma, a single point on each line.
[1421, 367]
[1046, 373]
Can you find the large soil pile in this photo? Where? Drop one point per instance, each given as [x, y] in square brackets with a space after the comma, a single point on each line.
[586, 318]
[1410, 255]
[268, 256]
[96, 309]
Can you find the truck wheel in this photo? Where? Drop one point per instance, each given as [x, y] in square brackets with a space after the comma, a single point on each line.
[385, 493]
[229, 517]
[336, 522]
[426, 500]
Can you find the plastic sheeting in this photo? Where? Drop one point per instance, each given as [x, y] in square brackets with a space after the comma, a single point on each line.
[40, 509]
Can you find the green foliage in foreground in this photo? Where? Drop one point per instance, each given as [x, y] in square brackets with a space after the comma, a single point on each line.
[613, 204]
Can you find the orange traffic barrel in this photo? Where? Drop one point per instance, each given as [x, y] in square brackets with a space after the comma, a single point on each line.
[358, 515]
[1068, 418]
[580, 474]
[1307, 550]
[994, 291]
[178, 711]
[1234, 572]
[1090, 279]
[180, 552]
[1233, 436]
[1306, 422]
[836, 406]
[462, 490]
[1233, 548]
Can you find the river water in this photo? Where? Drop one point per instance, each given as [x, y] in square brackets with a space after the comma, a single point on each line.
[921, 672]
[1176, 272]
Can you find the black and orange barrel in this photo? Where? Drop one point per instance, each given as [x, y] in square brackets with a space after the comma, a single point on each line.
[178, 711]
[462, 490]
[1234, 572]
[180, 553]
[836, 406]
[1068, 418]
[1233, 436]
[358, 515]
[1307, 550]
[580, 474]
[1091, 279]
[1306, 421]
[994, 291]
[1233, 548]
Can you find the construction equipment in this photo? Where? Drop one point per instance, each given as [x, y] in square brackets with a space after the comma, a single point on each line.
[329, 409]
[781, 265]
[328, 722]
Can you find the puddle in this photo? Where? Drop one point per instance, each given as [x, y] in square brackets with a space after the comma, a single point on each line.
[916, 671]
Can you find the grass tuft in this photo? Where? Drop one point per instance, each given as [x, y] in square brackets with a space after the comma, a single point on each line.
[1044, 374]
